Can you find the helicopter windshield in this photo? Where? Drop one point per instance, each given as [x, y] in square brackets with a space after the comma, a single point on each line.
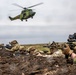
[30, 10]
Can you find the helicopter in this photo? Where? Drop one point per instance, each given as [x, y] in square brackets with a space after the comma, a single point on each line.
[26, 13]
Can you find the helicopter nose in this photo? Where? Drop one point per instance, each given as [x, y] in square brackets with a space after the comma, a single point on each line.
[34, 13]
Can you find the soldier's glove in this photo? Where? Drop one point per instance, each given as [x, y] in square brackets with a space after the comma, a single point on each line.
[67, 50]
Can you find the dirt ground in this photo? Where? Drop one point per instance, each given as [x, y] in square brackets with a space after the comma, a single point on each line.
[23, 64]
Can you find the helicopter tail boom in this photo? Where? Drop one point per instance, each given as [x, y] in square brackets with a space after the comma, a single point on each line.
[10, 18]
[14, 18]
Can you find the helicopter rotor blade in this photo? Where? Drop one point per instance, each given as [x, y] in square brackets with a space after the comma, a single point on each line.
[34, 5]
[18, 5]
[15, 9]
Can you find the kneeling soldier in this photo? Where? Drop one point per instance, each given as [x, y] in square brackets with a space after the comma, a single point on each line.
[68, 51]
[16, 46]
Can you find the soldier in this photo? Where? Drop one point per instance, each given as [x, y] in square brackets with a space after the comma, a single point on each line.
[70, 38]
[72, 46]
[72, 41]
[33, 51]
[68, 51]
[16, 46]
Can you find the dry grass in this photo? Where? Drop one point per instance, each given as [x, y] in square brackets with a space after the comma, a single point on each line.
[39, 47]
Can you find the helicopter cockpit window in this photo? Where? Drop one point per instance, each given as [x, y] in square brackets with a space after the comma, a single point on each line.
[30, 11]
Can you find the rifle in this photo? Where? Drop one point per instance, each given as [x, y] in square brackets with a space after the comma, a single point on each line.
[71, 45]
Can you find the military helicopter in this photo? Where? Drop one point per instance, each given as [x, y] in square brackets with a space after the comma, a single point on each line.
[26, 13]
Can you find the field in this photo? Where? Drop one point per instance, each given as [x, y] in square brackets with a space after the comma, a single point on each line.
[23, 64]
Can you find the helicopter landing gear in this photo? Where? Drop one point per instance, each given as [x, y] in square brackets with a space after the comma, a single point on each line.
[32, 17]
[26, 19]
[21, 19]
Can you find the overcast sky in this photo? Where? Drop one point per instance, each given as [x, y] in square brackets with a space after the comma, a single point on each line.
[54, 21]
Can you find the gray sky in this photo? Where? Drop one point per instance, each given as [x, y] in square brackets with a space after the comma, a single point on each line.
[54, 21]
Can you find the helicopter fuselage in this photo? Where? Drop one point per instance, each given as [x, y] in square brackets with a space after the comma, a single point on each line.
[27, 13]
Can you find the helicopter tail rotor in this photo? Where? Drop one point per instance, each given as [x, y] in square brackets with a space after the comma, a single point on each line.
[10, 18]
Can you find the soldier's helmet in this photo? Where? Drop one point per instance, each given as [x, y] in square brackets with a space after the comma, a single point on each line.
[13, 42]
[32, 48]
[71, 36]
[1, 45]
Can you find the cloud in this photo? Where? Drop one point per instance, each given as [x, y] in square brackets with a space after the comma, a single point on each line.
[34, 32]
[54, 20]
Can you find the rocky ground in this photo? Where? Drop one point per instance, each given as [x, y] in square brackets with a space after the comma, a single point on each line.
[23, 64]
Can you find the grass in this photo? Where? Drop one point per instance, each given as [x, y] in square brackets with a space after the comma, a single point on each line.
[39, 47]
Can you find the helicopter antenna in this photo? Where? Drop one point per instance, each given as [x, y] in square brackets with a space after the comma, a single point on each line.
[34, 5]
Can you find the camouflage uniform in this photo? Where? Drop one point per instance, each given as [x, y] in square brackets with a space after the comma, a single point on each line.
[16, 46]
[67, 51]
[32, 50]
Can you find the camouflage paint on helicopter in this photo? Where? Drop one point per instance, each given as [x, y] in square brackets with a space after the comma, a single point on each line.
[25, 14]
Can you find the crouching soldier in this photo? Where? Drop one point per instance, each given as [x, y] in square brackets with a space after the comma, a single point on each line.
[68, 51]
[33, 51]
[16, 46]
